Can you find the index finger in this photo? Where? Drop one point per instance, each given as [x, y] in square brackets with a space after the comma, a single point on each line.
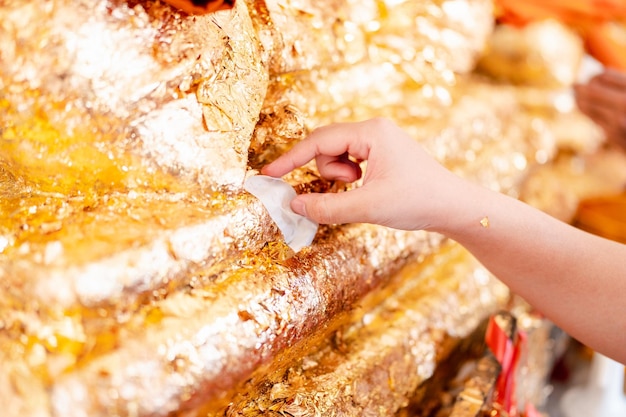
[332, 140]
[615, 77]
[602, 94]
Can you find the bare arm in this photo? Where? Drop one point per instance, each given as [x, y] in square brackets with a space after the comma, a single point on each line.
[576, 279]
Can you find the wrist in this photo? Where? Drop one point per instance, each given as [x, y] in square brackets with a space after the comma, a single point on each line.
[468, 211]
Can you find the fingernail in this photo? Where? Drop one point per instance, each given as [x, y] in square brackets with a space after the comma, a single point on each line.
[298, 206]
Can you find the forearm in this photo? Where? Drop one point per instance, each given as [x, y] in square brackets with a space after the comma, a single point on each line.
[576, 279]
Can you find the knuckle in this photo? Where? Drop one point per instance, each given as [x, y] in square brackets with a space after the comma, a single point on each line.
[321, 210]
[381, 123]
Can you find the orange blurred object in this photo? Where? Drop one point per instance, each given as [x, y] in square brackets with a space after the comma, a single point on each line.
[601, 23]
[607, 43]
[604, 216]
[201, 6]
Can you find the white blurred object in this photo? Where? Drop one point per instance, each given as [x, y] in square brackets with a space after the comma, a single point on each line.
[276, 194]
[589, 68]
[602, 395]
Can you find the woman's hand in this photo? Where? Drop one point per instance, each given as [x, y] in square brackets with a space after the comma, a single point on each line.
[603, 99]
[403, 186]
[573, 277]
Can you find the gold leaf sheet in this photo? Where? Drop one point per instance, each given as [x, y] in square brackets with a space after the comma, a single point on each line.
[127, 95]
[136, 278]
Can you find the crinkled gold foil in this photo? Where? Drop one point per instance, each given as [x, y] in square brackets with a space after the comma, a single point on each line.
[307, 35]
[207, 340]
[116, 93]
[392, 344]
[323, 57]
[135, 277]
[475, 396]
[526, 56]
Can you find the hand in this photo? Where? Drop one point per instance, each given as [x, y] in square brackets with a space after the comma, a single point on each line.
[403, 186]
[603, 99]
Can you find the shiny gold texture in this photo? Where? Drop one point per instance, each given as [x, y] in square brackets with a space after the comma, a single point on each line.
[218, 334]
[117, 95]
[523, 56]
[390, 345]
[474, 398]
[308, 35]
[322, 57]
[138, 279]
[484, 222]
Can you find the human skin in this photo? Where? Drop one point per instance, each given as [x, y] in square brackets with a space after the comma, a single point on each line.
[576, 279]
[603, 99]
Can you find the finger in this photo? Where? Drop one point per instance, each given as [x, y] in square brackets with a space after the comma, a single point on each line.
[287, 162]
[612, 123]
[587, 101]
[617, 134]
[617, 138]
[340, 168]
[604, 94]
[615, 77]
[600, 115]
[331, 140]
[592, 108]
[620, 140]
[334, 208]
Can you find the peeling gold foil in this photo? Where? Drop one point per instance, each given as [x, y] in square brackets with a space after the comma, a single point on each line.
[219, 333]
[391, 345]
[323, 57]
[136, 278]
[106, 92]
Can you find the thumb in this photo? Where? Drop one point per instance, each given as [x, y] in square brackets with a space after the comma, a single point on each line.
[333, 208]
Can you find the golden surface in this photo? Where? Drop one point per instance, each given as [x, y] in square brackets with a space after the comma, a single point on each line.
[523, 56]
[474, 397]
[559, 187]
[137, 278]
[605, 216]
[127, 96]
[390, 344]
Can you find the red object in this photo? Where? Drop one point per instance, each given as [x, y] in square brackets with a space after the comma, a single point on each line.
[506, 345]
[201, 6]
[531, 411]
